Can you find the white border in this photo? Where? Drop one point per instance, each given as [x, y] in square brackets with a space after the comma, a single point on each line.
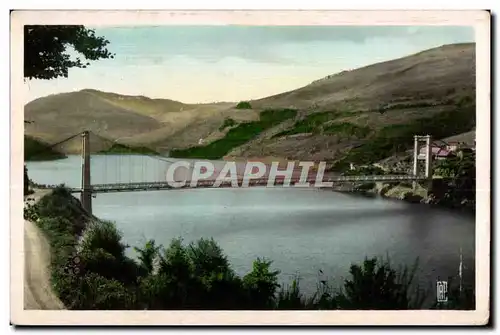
[479, 19]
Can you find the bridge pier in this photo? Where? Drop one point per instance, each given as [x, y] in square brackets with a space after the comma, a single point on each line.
[428, 158]
[86, 190]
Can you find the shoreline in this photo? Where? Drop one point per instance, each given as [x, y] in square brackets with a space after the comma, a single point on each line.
[405, 194]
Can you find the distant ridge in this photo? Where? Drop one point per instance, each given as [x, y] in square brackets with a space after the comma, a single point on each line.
[395, 92]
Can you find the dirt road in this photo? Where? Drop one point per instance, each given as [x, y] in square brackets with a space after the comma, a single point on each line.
[37, 289]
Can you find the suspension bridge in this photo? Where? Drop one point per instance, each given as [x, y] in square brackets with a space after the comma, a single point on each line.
[122, 172]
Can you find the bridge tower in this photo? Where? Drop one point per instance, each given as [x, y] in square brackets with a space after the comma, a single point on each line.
[86, 191]
[428, 157]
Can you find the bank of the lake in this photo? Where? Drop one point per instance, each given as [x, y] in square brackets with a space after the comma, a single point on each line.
[125, 283]
[407, 193]
[302, 230]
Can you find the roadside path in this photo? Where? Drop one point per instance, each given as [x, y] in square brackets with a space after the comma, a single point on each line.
[37, 288]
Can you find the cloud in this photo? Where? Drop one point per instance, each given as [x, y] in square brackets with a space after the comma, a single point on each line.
[212, 44]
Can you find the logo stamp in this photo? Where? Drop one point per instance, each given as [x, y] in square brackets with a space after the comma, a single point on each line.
[442, 291]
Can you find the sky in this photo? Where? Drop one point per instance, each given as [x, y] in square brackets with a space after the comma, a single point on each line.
[199, 64]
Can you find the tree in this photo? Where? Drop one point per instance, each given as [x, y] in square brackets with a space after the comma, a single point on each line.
[46, 56]
[45, 50]
[26, 182]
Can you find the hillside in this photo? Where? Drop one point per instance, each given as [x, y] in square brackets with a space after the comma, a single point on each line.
[360, 115]
[160, 124]
[390, 99]
[35, 149]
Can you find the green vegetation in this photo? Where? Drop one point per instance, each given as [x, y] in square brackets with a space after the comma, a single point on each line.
[459, 187]
[399, 137]
[309, 124]
[365, 170]
[237, 136]
[314, 123]
[346, 129]
[117, 148]
[422, 104]
[243, 105]
[35, 150]
[26, 182]
[52, 42]
[91, 271]
[227, 123]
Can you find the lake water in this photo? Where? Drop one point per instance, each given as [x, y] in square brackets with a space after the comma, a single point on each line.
[304, 231]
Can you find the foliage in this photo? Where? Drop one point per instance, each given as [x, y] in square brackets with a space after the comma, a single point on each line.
[147, 256]
[36, 150]
[421, 104]
[366, 186]
[91, 271]
[399, 137]
[228, 122]
[365, 170]
[244, 105]
[45, 50]
[26, 182]
[376, 285]
[346, 129]
[309, 124]
[236, 136]
[459, 189]
[315, 123]
[117, 148]
[262, 284]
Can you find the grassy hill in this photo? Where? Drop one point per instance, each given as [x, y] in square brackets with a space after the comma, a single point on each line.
[353, 116]
[35, 149]
[371, 112]
[159, 124]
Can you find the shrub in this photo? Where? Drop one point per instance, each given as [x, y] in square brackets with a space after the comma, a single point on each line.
[26, 181]
[102, 235]
[198, 275]
[399, 137]
[290, 298]
[244, 105]
[35, 149]
[309, 124]
[96, 292]
[262, 284]
[346, 129]
[147, 256]
[227, 123]
[375, 285]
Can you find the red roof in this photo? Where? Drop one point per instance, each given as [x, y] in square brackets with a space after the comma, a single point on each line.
[436, 151]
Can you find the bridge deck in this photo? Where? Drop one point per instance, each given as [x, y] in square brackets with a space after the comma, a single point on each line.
[151, 186]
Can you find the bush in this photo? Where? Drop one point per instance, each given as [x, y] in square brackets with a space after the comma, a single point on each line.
[94, 273]
[102, 235]
[262, 284]
[37, 150]
[346, 129]
[26, 181]
[375, 285]
[227, 123]
[310, 124]
[459, 172]
[243, 105]
[96, 292]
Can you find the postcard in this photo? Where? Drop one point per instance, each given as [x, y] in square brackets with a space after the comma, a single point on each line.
[250, 167]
